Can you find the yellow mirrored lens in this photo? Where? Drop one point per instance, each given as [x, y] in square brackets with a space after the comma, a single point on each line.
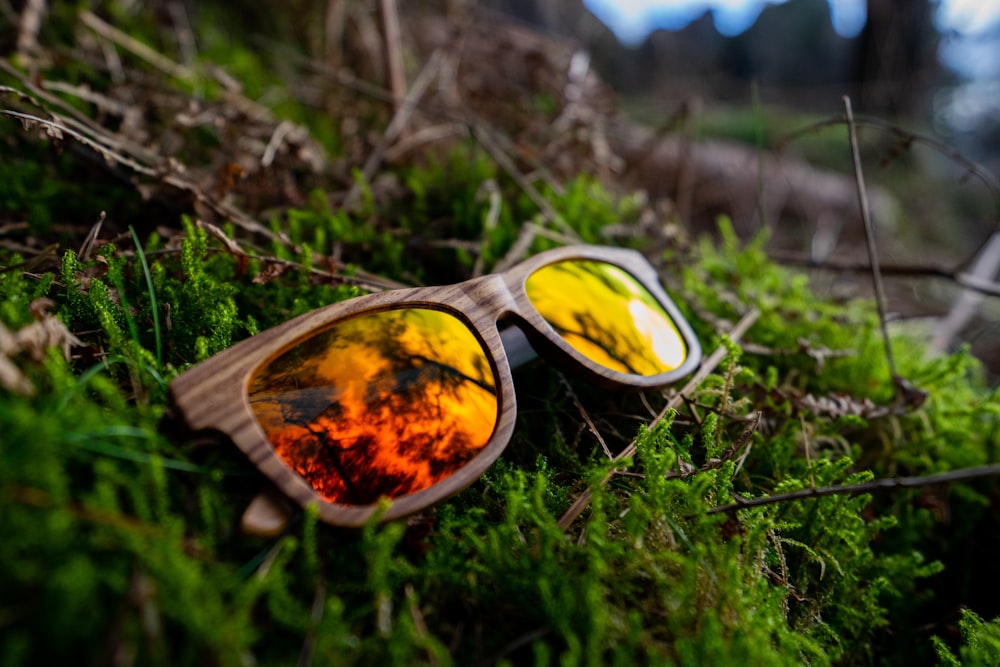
[605, 314]
[383, 404]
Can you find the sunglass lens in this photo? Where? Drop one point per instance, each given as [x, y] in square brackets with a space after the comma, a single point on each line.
[383, 404]
[607, 315]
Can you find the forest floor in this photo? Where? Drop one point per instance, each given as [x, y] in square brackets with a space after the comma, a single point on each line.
[824, 490]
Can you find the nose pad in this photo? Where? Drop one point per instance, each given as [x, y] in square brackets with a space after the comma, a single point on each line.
[492, 293]
[516, 345]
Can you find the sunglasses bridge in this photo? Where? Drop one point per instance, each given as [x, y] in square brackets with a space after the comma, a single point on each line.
[293, 398]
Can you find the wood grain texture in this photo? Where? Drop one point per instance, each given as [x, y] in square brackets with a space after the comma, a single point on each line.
[213, 395]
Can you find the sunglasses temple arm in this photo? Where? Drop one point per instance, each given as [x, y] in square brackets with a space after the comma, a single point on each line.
[517, 347]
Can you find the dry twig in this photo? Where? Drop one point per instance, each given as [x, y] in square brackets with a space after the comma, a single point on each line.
[983, 268]
[978, 171]
[396, 125]
[866, 217]
[707, 367]
[135, 47]
[31, 23]
[394, 50]
[171, 173]
[963, 475]
[966, 280]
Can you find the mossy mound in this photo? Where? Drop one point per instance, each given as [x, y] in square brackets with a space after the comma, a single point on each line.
[121, 539]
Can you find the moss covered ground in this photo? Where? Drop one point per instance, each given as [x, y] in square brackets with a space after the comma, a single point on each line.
[121, 541]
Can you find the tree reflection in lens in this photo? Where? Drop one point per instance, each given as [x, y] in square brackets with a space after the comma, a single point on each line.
[380, 405]
[606, 315]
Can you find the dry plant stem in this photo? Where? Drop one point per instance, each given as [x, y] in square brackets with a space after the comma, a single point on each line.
[419, 623]
[394, 50]
[71, 116]
[687, 173]
[983, 268]
[333, 32]
[529, 231]
[88, 243]
[490, 189]
[102, 102]
[274, 143]
[425, 135]
[967, 280]
[134, 46]
[482, 135]
[36, 256]
[963, 475]
[866, 217]
[31, 23]
[706, 369]
[57, 127]
[586, 417]
[363, 279]
[396, 125]
[315, 616]
[74, 118]
[984, 175]
[183, 31]
[741, 444]
[172, 68]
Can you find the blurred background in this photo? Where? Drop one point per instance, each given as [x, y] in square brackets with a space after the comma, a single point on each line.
[935, 62]
[706, 108]
[746, 100]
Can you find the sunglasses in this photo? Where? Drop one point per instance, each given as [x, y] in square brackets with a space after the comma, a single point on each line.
[406, 396]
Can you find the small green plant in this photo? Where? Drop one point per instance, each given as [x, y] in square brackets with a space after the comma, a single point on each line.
[121, 529]
[980, 643]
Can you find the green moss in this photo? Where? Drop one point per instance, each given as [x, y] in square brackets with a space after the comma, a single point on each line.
[97, 496]
[121, 535]
[980, 643]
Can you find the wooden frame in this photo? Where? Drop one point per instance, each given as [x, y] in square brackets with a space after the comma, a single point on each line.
[213, 394]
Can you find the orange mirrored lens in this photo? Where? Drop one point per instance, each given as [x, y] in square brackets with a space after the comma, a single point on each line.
[383, 404]
[606, 315]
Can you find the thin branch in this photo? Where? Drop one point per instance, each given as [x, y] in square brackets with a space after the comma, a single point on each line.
[490, 189]
[866, 217]
[487, 141]
[91, 240]
[962, 475]
[57, 129]
[739, 445]
[393, 50]
[43, 99]
[183, 30]
[967, 305]
[134, 46]
[586, 417]
[707, 368]
[315, 616]
[364, 279]
[274, 143]
[984, 175]
[396, 125]
[485, 135]
[961, 278]
[30, 25]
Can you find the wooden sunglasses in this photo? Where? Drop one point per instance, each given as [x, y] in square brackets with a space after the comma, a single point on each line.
[407, 395]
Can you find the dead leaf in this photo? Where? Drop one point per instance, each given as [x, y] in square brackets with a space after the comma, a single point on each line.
[12, 379]
[32, 341]
[215, 232]
[271, 272]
